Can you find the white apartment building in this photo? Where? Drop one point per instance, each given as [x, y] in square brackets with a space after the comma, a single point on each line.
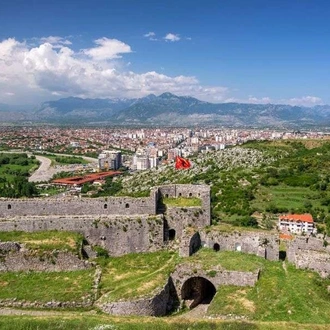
[297, 223]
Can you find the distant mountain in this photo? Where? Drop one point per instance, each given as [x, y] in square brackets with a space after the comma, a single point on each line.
[81, 109]
[168, 109]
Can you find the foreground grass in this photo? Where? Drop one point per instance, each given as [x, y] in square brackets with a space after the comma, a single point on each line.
[136, 275]
[102, 322]
[283, 293]
[44, 287]
[45, 240]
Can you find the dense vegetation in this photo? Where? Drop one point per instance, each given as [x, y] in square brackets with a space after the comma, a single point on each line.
[14, 172]
[251, 184]
[109, 188]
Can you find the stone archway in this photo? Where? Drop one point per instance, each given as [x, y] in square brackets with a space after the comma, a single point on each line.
[197, 290]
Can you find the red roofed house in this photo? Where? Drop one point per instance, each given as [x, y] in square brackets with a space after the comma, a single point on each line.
[297, 223]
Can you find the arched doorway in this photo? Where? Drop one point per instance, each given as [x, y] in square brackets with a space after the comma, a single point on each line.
[216, 247]
[197, 290]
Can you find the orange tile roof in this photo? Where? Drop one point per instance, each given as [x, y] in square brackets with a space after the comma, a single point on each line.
[307, 217]
[79, 180]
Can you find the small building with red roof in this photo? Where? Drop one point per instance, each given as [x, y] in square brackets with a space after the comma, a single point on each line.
[296, 223]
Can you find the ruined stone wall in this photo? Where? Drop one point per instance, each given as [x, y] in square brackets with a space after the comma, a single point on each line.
[51, 262]
[180, 218]
[265, 245]
[190, 242]
[309, 253]
[158, 305]
[117, 234]
[119, 224]
[190, 190]
[79, 206]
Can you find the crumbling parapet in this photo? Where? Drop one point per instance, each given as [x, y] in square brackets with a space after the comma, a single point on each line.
[265, 245]
[310, 253]
[190, 242]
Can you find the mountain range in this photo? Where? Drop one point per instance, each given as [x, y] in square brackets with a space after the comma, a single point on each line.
[168, 110]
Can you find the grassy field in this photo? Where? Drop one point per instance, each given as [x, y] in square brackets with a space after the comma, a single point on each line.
[283, 293]
[45, 240]
[12, 165]
[136, 275]
[229, 260]
[75, 321]
[182, 202]
[283, 196]
[44, 287]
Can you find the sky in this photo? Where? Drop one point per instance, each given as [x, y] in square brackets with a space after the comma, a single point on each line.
[253, 51]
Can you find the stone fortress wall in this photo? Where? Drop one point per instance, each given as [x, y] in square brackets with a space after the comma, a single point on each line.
[262, 244]
[119, 224]
[79, 206]
[123, 225]
[310, 253]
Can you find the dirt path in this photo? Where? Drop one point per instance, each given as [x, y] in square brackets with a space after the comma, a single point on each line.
[14, 311]
[284, 267]
[44, 172]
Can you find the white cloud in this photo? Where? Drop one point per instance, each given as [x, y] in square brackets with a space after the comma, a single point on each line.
[304, 101]
[48, 71]
[9, 93]
[307, 101]
[151, 36]
[107, 49]
[55, 40]
[172, 37]
[262, 100]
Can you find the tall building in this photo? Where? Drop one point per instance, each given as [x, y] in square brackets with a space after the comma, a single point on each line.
[109, 160]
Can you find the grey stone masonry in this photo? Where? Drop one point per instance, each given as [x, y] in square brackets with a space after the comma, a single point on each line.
[117, 234]
[265, 245]
[152, 306]
[310, 253]
[78, 206]
[217, 277]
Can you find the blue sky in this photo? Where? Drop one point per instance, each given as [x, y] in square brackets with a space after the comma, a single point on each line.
[219, 51]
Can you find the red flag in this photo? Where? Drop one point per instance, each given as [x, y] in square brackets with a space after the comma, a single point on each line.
[182, 163]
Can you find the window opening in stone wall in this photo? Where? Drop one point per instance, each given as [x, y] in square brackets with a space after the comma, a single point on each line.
[127, 205]
[180, 195]
[166, 195]
[9, 207]
[190, 194]
[105, 206]
[216, 247]
[171, 234]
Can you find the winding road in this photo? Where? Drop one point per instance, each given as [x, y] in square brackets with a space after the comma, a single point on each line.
[45, 171]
